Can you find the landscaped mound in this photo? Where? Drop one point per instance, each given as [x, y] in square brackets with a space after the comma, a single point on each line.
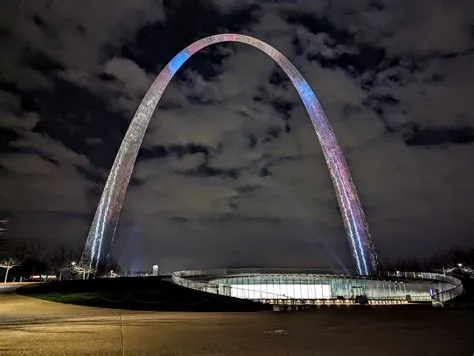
[147, 293]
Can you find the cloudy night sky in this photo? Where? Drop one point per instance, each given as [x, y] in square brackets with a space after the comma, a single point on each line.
[230, 172]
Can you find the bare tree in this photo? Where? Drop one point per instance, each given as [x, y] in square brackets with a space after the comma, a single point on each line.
[8, 264]
[21, 252]
[35, 250]
[110, 267]
[83, 271]
[60, 259]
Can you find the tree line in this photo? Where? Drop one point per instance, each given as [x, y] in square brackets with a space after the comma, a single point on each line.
[29, 258]
[444, 260]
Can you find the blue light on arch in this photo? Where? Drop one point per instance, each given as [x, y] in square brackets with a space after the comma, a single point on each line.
[178, 61]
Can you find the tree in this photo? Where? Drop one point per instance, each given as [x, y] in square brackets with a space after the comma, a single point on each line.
[440, 261]
[32, 266]
[111, 266]
[83, 271]
[21, 252]
[61, 259]
[8, 264]
[29, 254]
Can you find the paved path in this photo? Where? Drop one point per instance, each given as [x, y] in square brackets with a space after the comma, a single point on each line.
[13, 286]
[34, 327]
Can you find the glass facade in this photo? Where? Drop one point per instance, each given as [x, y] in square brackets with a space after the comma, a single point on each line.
[299, 285]
[280, 291]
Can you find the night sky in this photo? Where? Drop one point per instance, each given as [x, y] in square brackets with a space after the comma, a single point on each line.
[231, 172]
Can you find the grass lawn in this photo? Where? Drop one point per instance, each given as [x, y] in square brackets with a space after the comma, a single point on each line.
[147, 293]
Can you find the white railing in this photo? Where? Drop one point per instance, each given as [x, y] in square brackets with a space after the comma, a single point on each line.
[454, 285]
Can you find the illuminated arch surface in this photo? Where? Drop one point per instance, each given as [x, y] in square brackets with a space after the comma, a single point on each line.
[105, 221]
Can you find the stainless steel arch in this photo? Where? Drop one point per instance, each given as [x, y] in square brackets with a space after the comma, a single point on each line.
[105, 221]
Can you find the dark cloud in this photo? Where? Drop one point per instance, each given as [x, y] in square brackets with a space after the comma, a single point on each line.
[207, 171]
[438, 136]
[65, 119]
[7, 136]
[89, 174]
[230, 159]
[161, 151]
[186, 22]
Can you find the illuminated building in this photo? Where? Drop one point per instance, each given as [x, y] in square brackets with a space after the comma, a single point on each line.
[311, 287]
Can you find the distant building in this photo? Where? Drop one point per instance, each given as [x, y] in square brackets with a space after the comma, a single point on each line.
[153, 273]
[42, 278]
[154, 270]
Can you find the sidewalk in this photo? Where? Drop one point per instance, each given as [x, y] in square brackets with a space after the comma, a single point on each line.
[13, 286]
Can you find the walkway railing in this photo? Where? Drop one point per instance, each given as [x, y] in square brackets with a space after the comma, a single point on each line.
[177, 278]
[441, 296]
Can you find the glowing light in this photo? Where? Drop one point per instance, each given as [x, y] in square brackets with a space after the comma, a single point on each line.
[178, 61]
[105, 221]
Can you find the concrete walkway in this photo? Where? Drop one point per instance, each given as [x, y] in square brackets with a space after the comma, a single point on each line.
[34, 327]
[13, 286]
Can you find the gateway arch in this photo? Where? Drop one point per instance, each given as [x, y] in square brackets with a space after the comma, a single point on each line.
[106, 217]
